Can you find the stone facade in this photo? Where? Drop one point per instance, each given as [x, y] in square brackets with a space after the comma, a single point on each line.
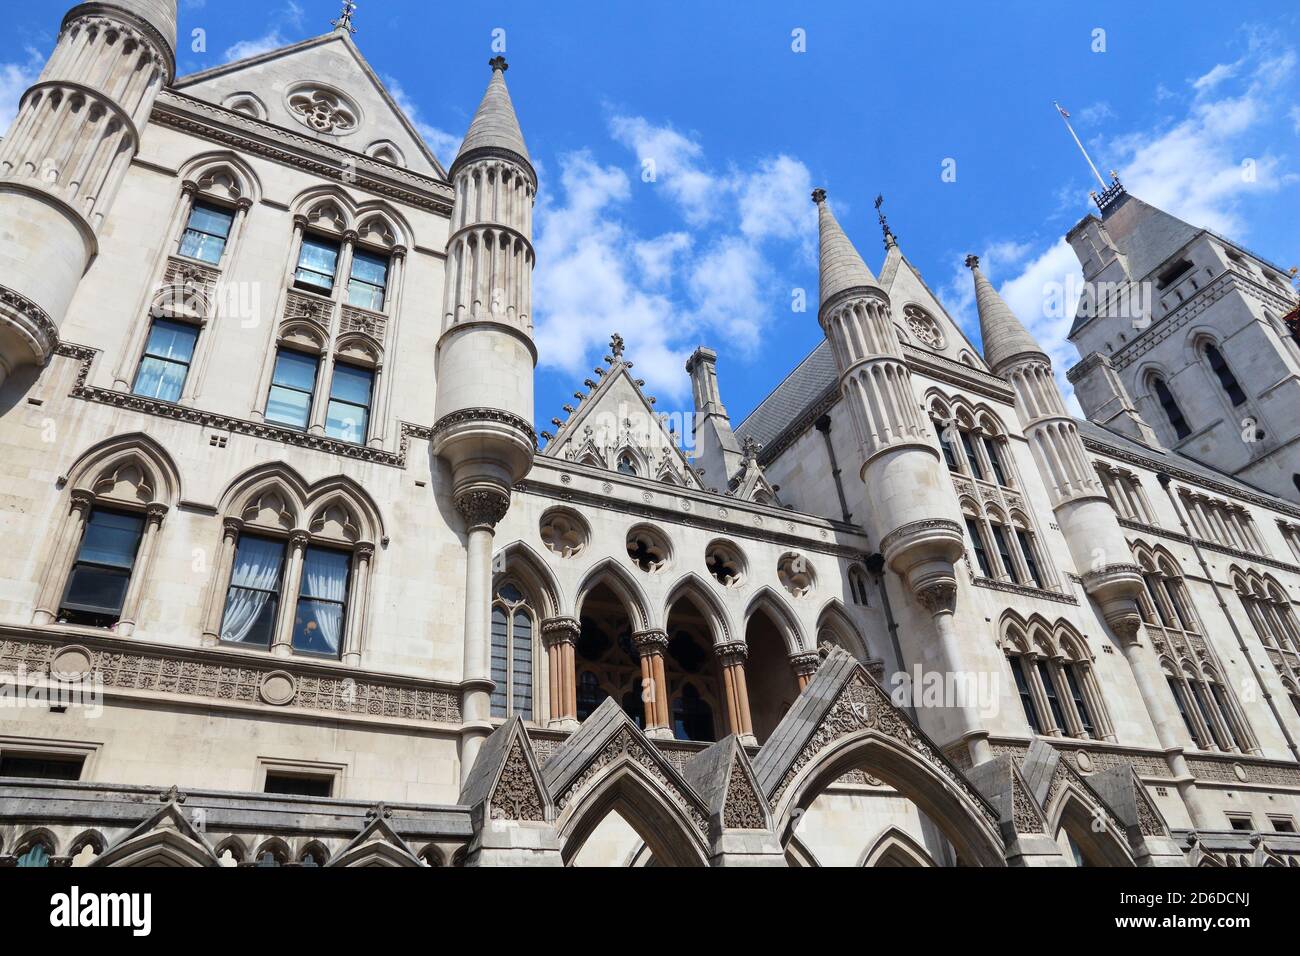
[294, 581]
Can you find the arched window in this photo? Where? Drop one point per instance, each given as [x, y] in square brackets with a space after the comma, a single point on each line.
[627, 464]
[858, 586]
[692, 715]
[1054, 680]
[1173, 413]
[1212, 722]
[1227, 381]
[978, 543]
[512, 654]
[1017, 664]
[945, 435]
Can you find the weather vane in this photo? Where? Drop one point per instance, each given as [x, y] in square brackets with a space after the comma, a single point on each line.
[344, 22]
[890, 239]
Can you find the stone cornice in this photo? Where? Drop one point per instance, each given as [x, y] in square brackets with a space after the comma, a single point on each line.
[1208, 545]
[1025, 590]
[244, 133]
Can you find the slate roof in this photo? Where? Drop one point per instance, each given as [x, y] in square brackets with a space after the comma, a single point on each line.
[800, 390]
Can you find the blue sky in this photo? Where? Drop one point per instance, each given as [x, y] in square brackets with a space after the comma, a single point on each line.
[740, 127]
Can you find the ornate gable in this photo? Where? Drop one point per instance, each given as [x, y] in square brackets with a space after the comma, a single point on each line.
[614, 426]
[920, 316]
[378, 844]
[505, 781]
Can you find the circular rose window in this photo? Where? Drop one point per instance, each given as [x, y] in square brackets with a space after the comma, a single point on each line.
[923, 327]
[564, 532]
[324, 110]
[648, 549]
[795, 574]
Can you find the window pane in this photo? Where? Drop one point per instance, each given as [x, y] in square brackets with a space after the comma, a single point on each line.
[365, 296]
[198, 245]
[318, 627]
[500, 662]
[97, 589]
[296, 370]
[171, 340]
[319, 255]
[346, 422]
[211, 219]
[288, 407]
[370, 268]
[352, 384]
[111, 538]
[325, 574]
[522, 666]
[157, 378]
[318, 624]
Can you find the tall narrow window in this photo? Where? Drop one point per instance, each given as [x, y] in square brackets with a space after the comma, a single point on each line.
[994, 452]
[369, 280]
[1004, 551]
[1172, 412]
[968, 446]
[253, 598]
[317, 262]
[292, 386]
[1022, 688]
[1176, 689]
[322, 601]
[1221, 701]
[945, 442]
[512, 656]
[102, 572]
[1049, 691]
[1203, 708]
[1031, 562]
[1227, 380]
[166, 362]
[348, 415]
[206, 232]
[977, 542]
[1076, 695]
[692, 715]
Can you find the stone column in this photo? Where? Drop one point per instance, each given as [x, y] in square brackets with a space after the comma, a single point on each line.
[482, 508]
[140, 570]
[56, 575]
[358, 600]
[560, 635]
[732, 656]
[216, 606]
[939, 597]
[384, 385]
[282, 642]
[805, 666]
[650, 645]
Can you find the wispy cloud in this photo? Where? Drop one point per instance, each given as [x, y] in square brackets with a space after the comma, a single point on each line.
[15, 78]
[289, 17]
[444, 145]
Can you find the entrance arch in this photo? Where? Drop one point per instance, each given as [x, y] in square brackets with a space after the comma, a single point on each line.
[1076, 815]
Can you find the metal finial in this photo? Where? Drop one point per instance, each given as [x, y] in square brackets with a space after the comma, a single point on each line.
[972, 262]
[498, 62]
[344, 22]
[819, 195]
[890, 239]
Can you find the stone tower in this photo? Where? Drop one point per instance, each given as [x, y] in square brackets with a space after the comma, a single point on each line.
[911, 509]
[485, 360]
[77, 130]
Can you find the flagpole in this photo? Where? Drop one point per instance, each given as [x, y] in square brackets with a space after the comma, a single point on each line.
[1065, 118]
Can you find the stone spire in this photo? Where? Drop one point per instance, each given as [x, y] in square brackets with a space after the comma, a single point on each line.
[495, 128]
[1003, 335]
[842, 268]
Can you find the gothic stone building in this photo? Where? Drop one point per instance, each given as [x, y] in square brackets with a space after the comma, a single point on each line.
[287, 579]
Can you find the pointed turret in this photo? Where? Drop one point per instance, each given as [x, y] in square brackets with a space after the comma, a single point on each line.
[1003, 335]
[495, 128]
[841, 268]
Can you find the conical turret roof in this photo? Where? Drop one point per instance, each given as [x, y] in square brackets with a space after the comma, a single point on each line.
[495, 126]
[841, 266]
[1001, 332]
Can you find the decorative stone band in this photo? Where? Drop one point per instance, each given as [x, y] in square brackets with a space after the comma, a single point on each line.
[731, 652]
[805, 664]
[905, 535]
[560, 630]
[482, 506]
[1116, 587]
[123, 18]
[854, 292]
[232, 676]
[651, 641]
[467, 416]
[30, 322]
[493, 152]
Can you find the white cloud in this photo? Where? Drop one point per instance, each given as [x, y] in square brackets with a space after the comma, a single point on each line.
[1096, 113]
[444, 145]
[254, 47]
[670, 159]
[1295, 117]
[1219, 74]
[15, 78]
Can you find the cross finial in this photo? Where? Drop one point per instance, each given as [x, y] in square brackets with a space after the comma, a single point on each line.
[972, 262]
[890, 239]
[819, 195]
[344, 22]
[616, 345]
[498, 62]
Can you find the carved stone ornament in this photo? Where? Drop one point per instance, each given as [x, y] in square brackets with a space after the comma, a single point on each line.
[938, 597]
[482, 507]
[1025, 813]
[742, 810]
[516, 796]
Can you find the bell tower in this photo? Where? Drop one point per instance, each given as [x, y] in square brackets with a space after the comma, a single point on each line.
[61, 164]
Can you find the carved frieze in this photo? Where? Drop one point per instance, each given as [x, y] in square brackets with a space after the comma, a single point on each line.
[516, 796]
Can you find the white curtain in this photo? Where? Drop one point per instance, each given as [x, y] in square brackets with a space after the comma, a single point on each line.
[255, 578]
[325, 578]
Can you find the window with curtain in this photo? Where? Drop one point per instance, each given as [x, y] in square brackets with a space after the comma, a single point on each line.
[322, 602]
[166, 362]
[348, 415]
[206, 232]
[369, 280]
[1169, 405]
[318, 260]
[293, 384]
[512, 655]
[253, 598]
[977, 542]
[101, 572]
[1227, 381]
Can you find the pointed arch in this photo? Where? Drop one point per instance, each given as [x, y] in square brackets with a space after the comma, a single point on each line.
[895, 847]
[278, 849]
[379, 224]
[332, 498]
[519, 560]
[625, 587]
[223, 175]
[271, 495]
[641, 800]
[325, 207]
[1078, 813]
[834, 619]
[691, 587]
[131, 468]
[769, 602]
[233, 844]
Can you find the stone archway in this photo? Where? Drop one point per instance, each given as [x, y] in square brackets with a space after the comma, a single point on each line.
[1078, 815]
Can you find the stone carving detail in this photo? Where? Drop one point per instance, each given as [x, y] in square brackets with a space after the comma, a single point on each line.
[373, 324]
[1148, 820]
[516, 796]
[482, 506]
[924, 329]
[240, 682]
[322, 110]
[1025, 814]
[451, 419]
[742, 810]
[939, 596]
[309, 308]
[1064, 774]
[624, 745]
[39, 323]
[1221, 771]
[864, 706]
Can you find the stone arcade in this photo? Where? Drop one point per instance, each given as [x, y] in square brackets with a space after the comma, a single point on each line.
[290, 582]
